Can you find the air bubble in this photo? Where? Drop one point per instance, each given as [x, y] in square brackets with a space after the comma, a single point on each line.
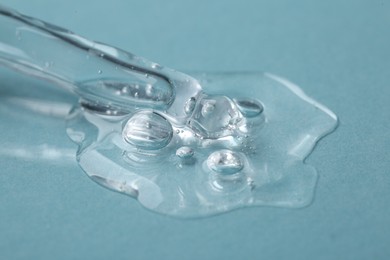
[156, 66]
[147, 130]
[149, 90]
[208, 108]
[215, 117]
[190, 105]
[125, 90]
[185, 152]
[225, 162]
[249, 107]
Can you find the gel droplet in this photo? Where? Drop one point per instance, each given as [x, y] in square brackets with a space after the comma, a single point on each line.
[147, 130]
[185, 152]
[215, 117]
[208, 108]
[225, 162]
[249, 107]
[190, 105]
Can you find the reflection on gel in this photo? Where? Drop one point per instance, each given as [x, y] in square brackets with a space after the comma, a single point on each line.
[181, 145]
[232, 151]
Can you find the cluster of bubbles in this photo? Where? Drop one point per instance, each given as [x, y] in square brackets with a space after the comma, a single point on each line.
[217, 124]
[155, 134]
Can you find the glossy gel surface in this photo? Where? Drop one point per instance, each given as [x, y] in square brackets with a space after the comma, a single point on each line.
[337, 52]
[181, 145]
[257, 160]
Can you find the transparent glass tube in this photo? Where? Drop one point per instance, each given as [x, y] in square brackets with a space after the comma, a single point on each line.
[102, 75]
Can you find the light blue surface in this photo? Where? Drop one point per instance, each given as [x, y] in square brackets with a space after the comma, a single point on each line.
[338, 52]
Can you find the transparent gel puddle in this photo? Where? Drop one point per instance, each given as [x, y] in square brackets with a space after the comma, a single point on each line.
[181, 145]
[261, 162]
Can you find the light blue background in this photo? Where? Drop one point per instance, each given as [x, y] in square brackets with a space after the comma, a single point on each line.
[337, 51]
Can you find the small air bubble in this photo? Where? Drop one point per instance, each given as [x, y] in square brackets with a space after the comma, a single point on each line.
[208, 108]
[185, 152]
[249, 107]
[190, 105]
[156, 66]
[225, 162]
[149, 90]
[125, 90]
